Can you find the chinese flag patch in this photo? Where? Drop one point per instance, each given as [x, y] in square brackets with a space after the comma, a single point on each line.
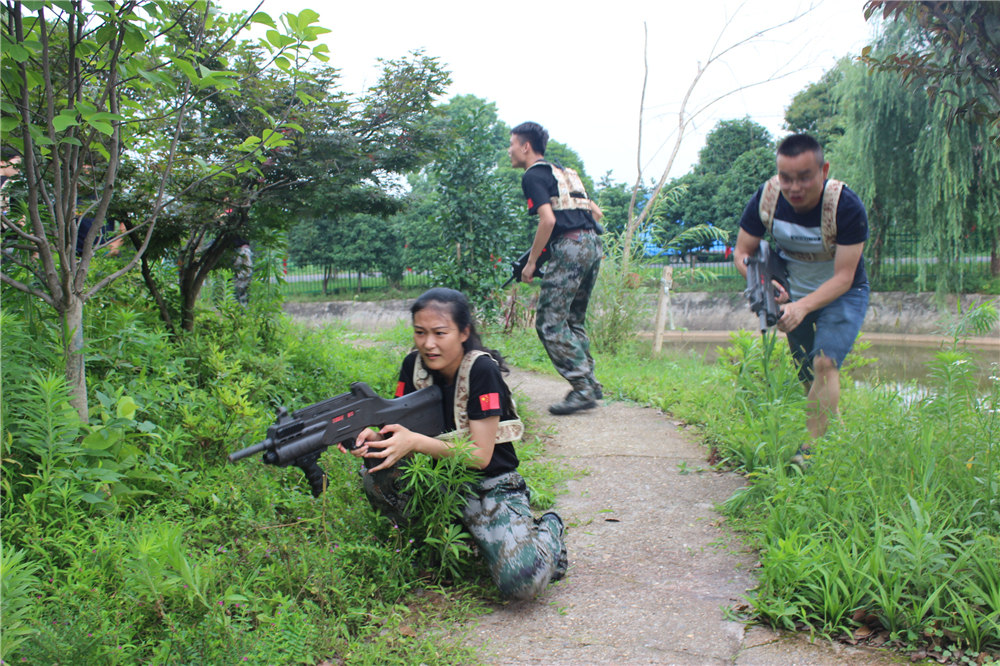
[489, 401]
[400, 387]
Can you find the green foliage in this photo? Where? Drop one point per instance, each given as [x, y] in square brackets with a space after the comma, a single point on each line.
[727, 141]
[816, 109]
[154, 550]
[435, 531]
[617, 307]
[917, 177]
[893, 527]
[959, 45]
[477, 217]
[18, 589]
[737, 158]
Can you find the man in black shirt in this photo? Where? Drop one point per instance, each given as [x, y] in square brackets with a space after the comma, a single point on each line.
[819, 227]
[568, 227]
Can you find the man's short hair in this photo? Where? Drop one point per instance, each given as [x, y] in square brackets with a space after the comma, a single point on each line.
[534, 134]
[796, 144]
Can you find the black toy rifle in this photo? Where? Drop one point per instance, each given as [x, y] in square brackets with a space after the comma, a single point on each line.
[517, 266]
[764, 266]
[299, 439]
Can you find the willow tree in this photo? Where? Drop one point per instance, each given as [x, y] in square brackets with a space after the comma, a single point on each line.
[917, 171]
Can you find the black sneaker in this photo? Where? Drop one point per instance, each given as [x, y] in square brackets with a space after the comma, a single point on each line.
[575, 401]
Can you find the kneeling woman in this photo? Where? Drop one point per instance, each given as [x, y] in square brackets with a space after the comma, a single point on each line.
[523, 554]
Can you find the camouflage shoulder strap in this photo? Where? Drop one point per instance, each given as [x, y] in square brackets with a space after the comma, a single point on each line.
[828, 221]
[508, 431]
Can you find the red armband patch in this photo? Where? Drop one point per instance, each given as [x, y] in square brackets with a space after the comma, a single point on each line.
[489, 401]
[531, 204]
[400, 387]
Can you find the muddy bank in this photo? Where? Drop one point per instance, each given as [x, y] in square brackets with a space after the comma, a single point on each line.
[894, 313]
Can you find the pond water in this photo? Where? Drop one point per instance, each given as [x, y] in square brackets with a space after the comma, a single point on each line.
[894, 363]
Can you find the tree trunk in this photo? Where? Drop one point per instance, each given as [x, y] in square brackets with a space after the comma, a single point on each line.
[995, 255]
[76, 374]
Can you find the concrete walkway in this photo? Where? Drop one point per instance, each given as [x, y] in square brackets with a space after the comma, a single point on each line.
[652, 567]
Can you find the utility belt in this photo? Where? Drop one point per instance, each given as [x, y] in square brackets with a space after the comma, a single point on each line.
[575, 234]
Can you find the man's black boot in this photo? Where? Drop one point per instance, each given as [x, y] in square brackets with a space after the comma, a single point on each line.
[574, 401]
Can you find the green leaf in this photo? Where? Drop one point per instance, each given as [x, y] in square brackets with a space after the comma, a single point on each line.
[103, 128]
[91, 498]
[85, 108]
[126, 407]
[282, 63]
[134, 39]
[16, 52]
[101, 439]
[307, 16]
[186, 67]
[263, 19]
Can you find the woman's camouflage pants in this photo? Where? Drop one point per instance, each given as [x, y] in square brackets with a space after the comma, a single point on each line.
[522, 553]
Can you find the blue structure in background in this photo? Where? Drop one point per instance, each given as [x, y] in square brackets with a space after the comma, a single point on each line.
[653, 250]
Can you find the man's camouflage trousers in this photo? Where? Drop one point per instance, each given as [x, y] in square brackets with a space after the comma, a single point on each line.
[569, 279]
[521, 552]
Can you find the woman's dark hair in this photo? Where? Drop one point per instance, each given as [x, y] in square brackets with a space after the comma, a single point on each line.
[457, 306]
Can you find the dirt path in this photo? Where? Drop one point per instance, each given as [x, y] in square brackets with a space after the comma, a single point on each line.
[651, 565]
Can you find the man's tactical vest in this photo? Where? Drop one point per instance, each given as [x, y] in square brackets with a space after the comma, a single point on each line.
[572, 193]
[508, 431]
[828, 224]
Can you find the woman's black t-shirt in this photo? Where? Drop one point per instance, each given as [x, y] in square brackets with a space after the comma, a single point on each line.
[488, 396]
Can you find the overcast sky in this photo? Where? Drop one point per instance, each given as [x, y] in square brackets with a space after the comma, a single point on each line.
[577, 67]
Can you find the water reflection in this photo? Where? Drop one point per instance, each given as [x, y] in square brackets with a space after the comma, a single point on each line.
[893, 364]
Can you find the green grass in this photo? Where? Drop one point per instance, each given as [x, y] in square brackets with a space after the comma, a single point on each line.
[895, 528]
[131, 540]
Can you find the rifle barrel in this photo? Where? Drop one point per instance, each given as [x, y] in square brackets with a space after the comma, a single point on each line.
[249, 451]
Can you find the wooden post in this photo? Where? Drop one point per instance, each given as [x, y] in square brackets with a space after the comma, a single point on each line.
[662, 307]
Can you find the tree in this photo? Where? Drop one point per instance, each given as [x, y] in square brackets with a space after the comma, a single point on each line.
[958, 50]
[917, 175]
[739, 184]
[77, 80]
[477, 206]
[816, 109]
[613, 198]
[738, 156]
[727, 141]
[718, 51]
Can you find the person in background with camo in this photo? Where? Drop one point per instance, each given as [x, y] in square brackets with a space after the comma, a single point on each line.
[819, 227]
[522, 553]
[242, 270]
[568, 225]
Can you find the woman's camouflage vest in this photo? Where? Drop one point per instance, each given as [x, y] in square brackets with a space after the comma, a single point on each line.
[508, 431]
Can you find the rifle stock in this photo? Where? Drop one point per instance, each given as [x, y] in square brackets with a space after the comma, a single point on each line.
[517, 266]
[299, 439]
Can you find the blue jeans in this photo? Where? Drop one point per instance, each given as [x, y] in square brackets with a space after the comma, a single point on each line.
[830, 331]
